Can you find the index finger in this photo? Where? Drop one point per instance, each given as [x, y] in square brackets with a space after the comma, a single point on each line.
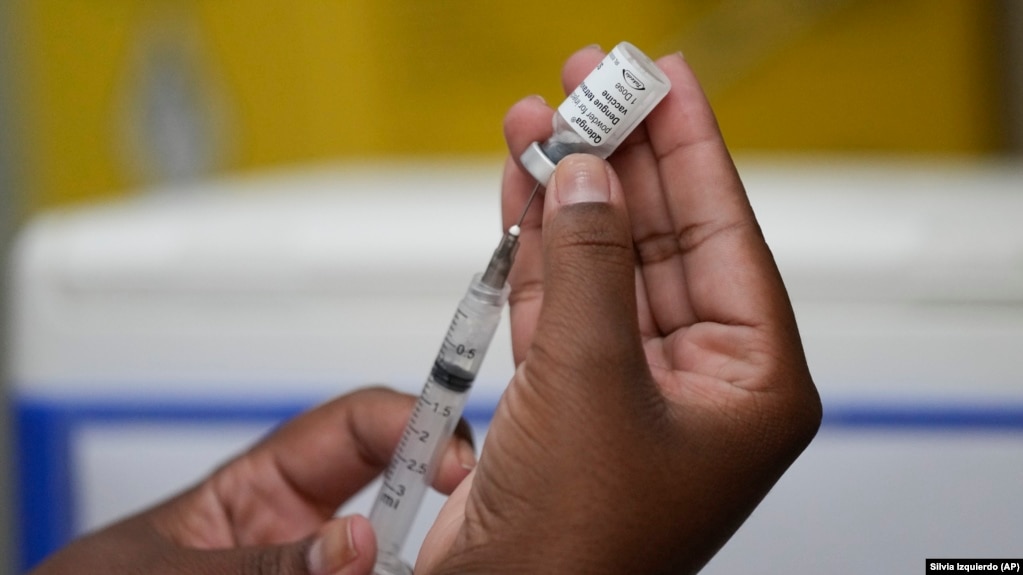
[730, 274]
[328, 454]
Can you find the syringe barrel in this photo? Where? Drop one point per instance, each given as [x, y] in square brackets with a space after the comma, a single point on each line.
[602, 111]
[434, 417]
[472, 329]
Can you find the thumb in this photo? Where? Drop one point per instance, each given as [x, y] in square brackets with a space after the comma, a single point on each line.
[589, 306]
[343, 546]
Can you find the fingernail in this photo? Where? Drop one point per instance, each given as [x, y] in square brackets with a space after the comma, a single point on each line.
[335, 549]
[466, 455]
[541, 99]
[582, 178]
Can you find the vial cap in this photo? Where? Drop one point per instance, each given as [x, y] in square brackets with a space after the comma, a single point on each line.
[537, 163]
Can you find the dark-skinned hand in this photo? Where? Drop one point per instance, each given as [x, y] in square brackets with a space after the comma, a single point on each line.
[661, 390]
[661, 387]
[271, 510]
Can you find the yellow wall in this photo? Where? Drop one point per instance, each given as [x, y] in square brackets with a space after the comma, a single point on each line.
[909, 76]
[272, 82]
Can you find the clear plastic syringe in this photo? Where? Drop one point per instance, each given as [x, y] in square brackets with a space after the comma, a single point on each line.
[439, 407]
[596, 117]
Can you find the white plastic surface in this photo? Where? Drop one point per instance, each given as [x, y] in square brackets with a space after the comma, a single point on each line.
[233, 287]
[907, 279]
[299, 276]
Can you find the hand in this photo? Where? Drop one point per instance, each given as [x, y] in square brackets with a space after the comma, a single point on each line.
[271, 510]
[661, 387]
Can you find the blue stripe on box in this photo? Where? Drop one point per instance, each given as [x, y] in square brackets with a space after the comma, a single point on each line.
[964, 416]
[44, 428]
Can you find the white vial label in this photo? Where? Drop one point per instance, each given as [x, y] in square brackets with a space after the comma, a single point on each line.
[605, 103]
[600, 113]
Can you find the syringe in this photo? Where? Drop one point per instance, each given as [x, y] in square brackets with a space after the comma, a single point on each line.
[595, 118]
[440, 406]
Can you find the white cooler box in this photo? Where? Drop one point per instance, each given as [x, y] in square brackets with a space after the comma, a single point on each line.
[152, 339]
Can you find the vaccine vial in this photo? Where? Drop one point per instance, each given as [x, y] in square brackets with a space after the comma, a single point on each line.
[624, 87]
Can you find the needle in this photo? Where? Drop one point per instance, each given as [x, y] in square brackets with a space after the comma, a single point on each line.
[529, 202]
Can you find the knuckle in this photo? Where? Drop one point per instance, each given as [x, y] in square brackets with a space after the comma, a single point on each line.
[595, 239]
[271, 561]
[657, 247]
[596, 225]
[695, 235]
[582, 253]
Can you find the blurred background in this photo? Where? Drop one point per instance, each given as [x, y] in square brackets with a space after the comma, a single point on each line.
[110, 96]
[104, 103]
